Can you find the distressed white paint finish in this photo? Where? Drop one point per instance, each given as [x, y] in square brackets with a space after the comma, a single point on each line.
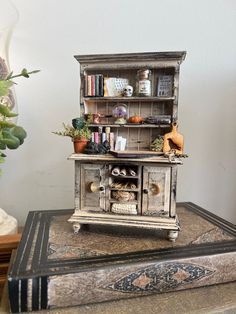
[207, 92]
[153, 202]
[156, 181]
[93, 174]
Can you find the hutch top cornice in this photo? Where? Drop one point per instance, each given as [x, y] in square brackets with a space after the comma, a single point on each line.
[131, 60]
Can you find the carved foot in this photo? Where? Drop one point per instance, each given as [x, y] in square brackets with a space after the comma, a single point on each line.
[76, 227]
[172, 235]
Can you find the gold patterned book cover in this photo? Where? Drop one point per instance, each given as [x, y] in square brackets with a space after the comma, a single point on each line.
[56, 268]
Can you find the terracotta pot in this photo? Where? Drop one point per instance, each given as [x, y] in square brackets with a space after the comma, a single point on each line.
[79, 145]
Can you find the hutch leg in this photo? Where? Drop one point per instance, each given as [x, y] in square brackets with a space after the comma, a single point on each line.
[76, 227]
[172, 235]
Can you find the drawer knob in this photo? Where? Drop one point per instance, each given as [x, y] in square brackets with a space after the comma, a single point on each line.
[145, 191]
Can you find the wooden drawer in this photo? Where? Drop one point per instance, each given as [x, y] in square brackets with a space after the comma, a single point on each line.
[7, 244]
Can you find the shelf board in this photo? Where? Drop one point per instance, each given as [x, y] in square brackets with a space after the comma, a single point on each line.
[126, 190]
[123, 202]
[130, 99]
[110, 158]
[130, 125]
[124, 177]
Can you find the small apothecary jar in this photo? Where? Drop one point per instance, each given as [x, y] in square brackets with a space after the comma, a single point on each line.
[144, 86]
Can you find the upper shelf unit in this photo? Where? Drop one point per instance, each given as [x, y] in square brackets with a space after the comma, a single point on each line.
[126, 66]
[103, 79]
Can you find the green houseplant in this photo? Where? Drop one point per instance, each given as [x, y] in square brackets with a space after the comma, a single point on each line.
[79, 133]
[11, 135]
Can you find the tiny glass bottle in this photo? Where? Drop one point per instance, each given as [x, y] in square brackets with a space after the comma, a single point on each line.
[144, 83]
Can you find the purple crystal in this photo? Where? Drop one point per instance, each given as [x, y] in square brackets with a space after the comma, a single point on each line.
[120, 111]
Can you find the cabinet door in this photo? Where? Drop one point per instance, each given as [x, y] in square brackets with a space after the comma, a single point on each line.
[156, 190]
[93, 187]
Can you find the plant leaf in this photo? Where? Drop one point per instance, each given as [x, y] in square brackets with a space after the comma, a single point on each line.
[9, 75]
[5, 111]
[3, 146]
[6, 124]
[24, 73]
[4, 87]
[33, 72]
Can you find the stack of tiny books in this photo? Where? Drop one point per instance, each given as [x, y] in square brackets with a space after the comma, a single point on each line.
[94, 85]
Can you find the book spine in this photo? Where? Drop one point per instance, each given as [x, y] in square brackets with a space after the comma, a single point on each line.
[13, 291]
[96, 85]
[92, 85]
[86, 85]
[105, 91]
[89, 88]
[96, 137]
[108, 131]
[19, 298]
[100, 134]
[92, 138]
[112, 140]
[101, 88]
[104, 137]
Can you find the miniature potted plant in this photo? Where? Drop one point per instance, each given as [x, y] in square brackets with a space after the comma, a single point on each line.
[79, 133]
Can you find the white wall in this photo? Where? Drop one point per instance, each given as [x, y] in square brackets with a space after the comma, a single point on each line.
[50, 32]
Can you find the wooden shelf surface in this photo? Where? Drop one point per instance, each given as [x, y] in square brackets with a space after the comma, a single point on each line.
[9, 241]
[112, 200]
[128, 99]
[111, 158]
[130, 125]
[124, 177]
[125, 190]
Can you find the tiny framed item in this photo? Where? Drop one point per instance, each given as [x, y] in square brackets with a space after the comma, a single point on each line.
[165, 86]
[114, 86]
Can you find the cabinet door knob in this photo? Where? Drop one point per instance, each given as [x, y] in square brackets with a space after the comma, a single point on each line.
[94, 188]
[145, 191]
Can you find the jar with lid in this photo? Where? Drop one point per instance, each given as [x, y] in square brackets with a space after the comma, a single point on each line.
[144, 82]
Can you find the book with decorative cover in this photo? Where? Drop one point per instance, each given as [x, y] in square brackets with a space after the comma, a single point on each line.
[165, 86]
[56, 268]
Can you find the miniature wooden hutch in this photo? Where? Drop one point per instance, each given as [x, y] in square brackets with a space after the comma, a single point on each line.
[148, 182]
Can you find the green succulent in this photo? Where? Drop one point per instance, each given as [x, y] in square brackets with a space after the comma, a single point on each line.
[12, 138]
